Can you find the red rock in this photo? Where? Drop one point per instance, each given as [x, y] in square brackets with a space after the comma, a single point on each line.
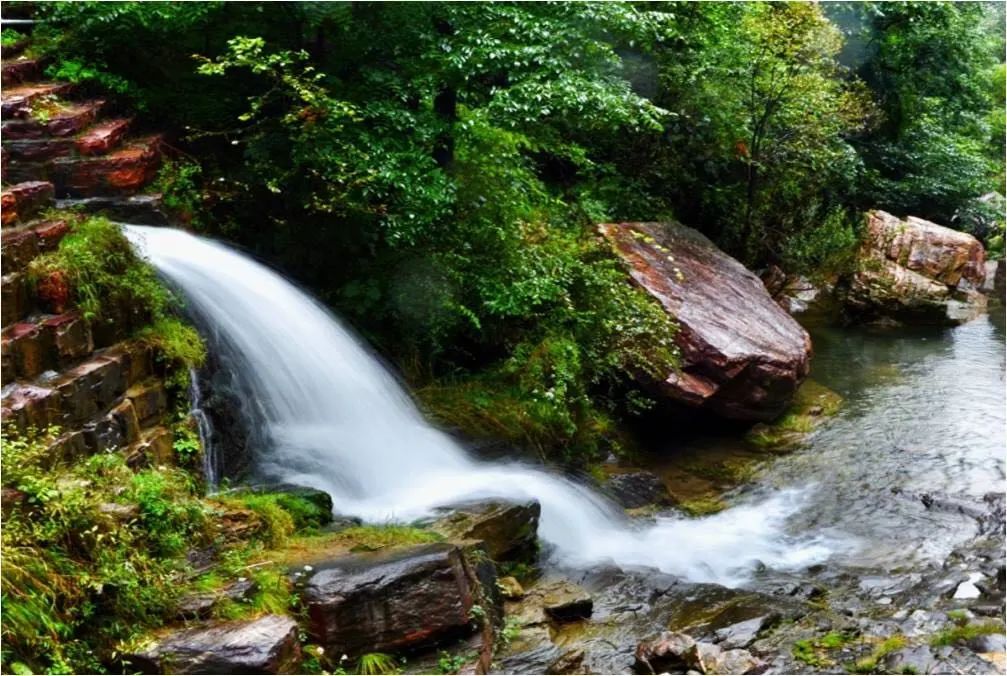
[17, 101]
[126, 169]
[65, 119]
[50, 233]
[29, 155]
[21, 201]
[743, 357]
[102, 137]
[934, 251]
[19, 70]
[53, 291]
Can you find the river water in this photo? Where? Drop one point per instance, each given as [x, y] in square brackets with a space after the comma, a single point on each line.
[924, 412]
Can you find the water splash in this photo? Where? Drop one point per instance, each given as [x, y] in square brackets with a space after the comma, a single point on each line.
[211, 461]
[329, 415]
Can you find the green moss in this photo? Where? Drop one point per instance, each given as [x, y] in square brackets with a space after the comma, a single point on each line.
[813, 403]
[10, 37]
[869, 664]
[814, 651]
[960, 633]
[702, 506]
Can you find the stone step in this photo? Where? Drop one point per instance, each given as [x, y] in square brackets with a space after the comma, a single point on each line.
[31, 348]
[125, 170]
[25, 154]
[17, 101]
[60, 118]
[20, 245]
[103, 136]
[16, 49]
[15, 299]
[19, 70]
[88, 391]
[20, 202]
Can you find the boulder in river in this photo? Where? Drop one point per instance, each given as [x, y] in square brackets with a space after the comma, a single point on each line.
[265, 645]
[637, 488]
[385, 601]
[507, 528]
[743, 357]
[918, 271]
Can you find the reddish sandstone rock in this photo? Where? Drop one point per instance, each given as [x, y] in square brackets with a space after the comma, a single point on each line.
[19, 70]
[64, 119]
[31, 406]
[102, 137]
[915, 270]
[14, 300]
[30, 348]
[17, 101]
[743, 357]
[21, 201]
[70, 337]
[18, 246]
[126, 169]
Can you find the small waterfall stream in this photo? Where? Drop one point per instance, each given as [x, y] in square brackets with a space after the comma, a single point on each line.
[329, 415]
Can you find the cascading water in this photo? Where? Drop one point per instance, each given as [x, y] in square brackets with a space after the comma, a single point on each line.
[328, 415]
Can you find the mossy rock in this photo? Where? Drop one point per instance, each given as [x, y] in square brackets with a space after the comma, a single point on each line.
[813, 404]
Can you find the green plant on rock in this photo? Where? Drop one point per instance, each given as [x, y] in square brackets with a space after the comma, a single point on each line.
[376, 664]
[179, 183]
[448, 663]
[960, 631]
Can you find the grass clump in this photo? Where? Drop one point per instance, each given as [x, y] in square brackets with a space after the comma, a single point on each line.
[869, 664]
[283, 514]
[371, 538]
[959, 632]
[813, 651]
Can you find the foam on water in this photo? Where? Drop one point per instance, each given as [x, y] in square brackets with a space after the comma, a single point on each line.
[329, 415]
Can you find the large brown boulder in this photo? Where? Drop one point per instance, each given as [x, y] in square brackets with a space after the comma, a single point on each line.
[743, 357]
[915, 270]
[387, 601]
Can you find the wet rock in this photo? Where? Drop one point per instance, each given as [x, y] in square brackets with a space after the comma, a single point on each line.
[743, 357]
[510, 588]
[393, 600]
[570, 662]
[989, 643]
[125, 169]
[913, 659]
[266, 645]
[22, 201]
[663, 654]
[636, 489]
[915, 270]
[710, 659]
[509, 529]
[742, 634]
[566, 602]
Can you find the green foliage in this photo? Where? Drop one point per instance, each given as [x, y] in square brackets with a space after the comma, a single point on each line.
[92, 558]
[179, 183]
[10, 37]
[373, 664]
[450, 664]
[814, 651]
[111, 284]
[932, 69]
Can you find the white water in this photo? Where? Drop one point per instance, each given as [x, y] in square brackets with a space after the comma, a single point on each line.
[330, 416]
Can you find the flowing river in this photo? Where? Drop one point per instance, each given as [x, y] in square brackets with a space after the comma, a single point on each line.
[924, 412]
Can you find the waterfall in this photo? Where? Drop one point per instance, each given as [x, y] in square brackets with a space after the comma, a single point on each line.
[211, 463]
[329, 415]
